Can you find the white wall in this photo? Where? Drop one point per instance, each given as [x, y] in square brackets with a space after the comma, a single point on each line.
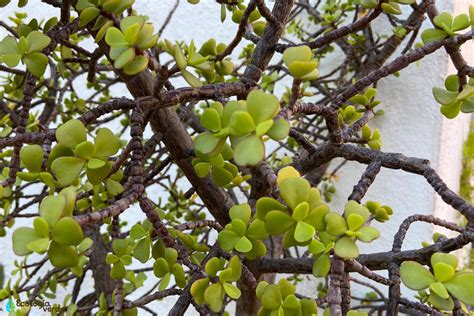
[412, 124]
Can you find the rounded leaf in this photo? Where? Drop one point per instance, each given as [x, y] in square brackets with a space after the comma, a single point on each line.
[106, 143]
[32, 157]
[346, 248]
[71, 133]
[262, 106]
[21, 237]
[461, 286]
[67, 232]
[249, 151]
[415, 276]
[67, 169]
[62, 256]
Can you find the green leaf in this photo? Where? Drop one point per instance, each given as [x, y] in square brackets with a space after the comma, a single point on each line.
[236, 266]
[299, 69]
[308, 307]
[202, 169]
[118, 271]
[301, 211]
[39, 245]
[208, 144]
[316, 217]
[267, 204]
[263, 127]
[115, 38]
[62, 256]
[440, 303]
[467, 106]
[32, 157]
[87, 15]
[262, 106]
[304, 232]
[415, 276]
[241, 123]
[198, 288]
[37, 41]
[443, 96]
[227, 239]
[191, 79]
[291, 302]
[51, 208]
[271, 298]
[70, 194]
[452, 83]
[294, 191]
[297, 53]
[461, 286]
[432, 35]
[179, 275]
[279, 130]
[243, 245]
[137, 65]
[171, 255]
[256, 230]
[141, 251]
[391, 8]
[67, 169]
[439, 289]
[466, 92]
[85, 149]
[119, 247]
[36, 63]
[41, 227]
[335, 224]
[213, 266]
[21, 237]
[450, 111]
[249, 151]
[67, 232]
[367, 234]
[354, 221]
[106, 143]
[232, 291]
[214, 297]
[95, 163]
[211, 120]
[461, 22]
[369, 4]
[346, 248]
[71, 133]
[179, 58]
[277, 222]
[96, 176]
[321, 266]
[443, 19]
[352, 207]
[125, 58]
[160, 267]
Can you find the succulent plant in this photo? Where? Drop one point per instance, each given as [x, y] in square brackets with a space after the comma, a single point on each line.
[443, 283]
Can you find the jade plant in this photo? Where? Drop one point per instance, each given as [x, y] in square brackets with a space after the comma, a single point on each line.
[128, 43]
[440, 285]
[244, 123]
[445, 26]
[216, 173]
[212, 290]
[27, 49]
[455, 99]
[281, 300]
[55, 232]
[241, 236]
